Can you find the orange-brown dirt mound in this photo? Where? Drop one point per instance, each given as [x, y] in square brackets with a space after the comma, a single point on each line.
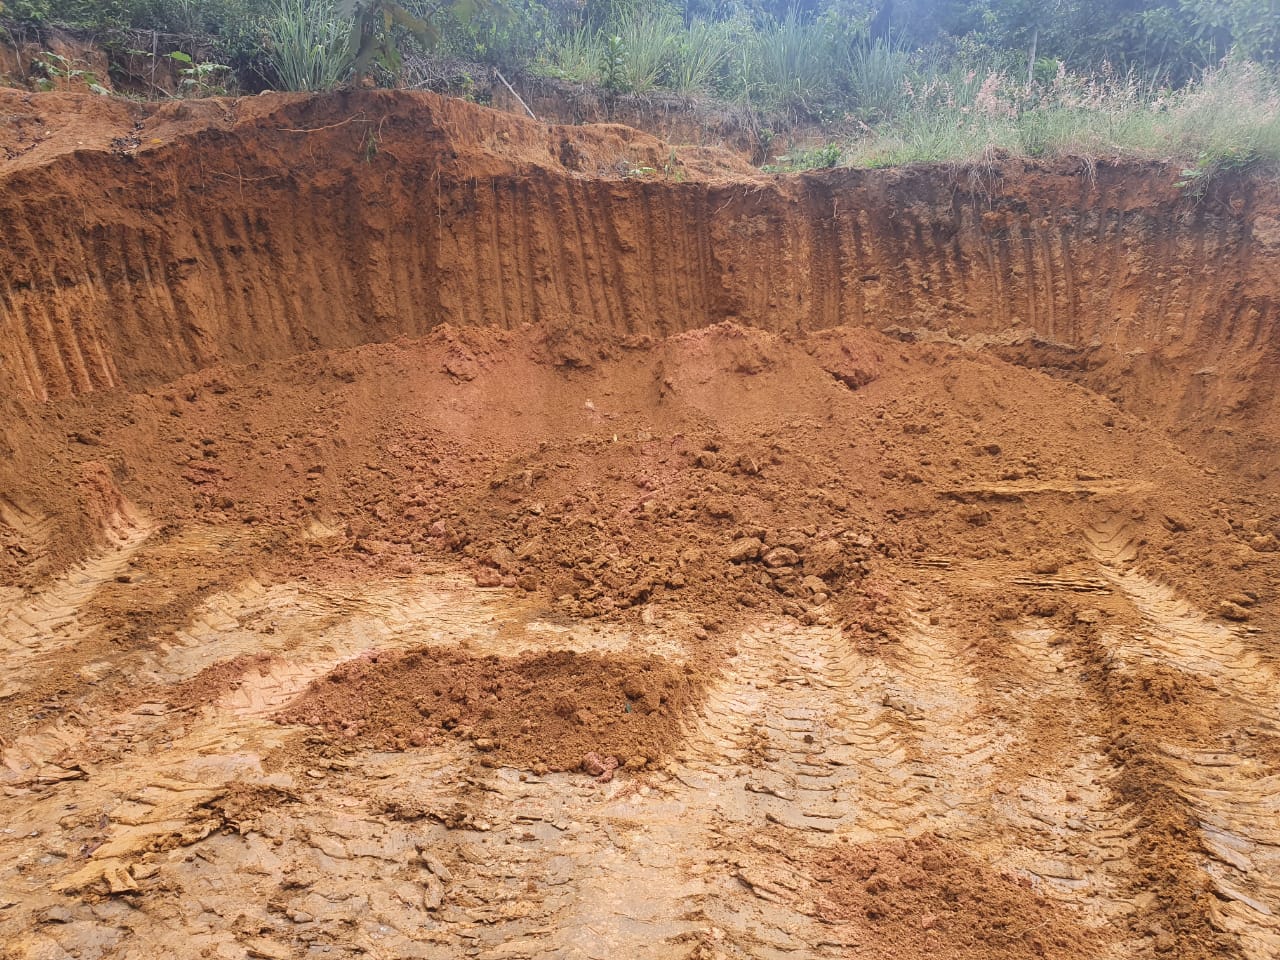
[548, 710]
[925, 897]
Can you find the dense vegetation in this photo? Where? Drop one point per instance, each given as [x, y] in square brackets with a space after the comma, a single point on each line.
[882, 81]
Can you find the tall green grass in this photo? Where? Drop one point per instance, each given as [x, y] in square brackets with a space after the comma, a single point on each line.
[575, 55]
[700, 56]
[1229, 117]
[909, 111]
[308, 45]
[650, 40]
[656, 51]
[879, 75]
[789, 64]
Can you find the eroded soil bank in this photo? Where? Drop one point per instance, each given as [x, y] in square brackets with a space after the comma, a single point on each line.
[429, 533]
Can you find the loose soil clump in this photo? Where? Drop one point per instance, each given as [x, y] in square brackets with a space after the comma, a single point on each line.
[548, 711]
[928, 898]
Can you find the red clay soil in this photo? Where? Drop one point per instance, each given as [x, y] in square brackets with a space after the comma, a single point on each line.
[207, 685]
[723, 469]
[927, 898]
[542, 711]
[146, 241]
[342, 344]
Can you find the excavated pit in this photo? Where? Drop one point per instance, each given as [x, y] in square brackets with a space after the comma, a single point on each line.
[429, 533]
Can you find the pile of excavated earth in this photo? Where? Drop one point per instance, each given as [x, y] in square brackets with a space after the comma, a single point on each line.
[429, 533]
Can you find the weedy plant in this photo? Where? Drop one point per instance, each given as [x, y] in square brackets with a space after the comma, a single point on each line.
[879, 73]
[56, 67]
[815, 158]
[375, 23]
[200, 79]
[370, 144]
[613, 65]
[372, 39]
[671, 169]
[1227, 119]
[649, 39]
[577, 56]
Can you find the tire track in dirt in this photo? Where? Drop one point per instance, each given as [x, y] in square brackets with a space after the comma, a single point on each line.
[147, 801]
[107, 643]
[787, 755]
[802, 742]
[266, 624]
[1236, 800]
[894, 744]
[1180, 636]
[24, 533]
[1209, 762]
[295, 632]
[1074, 835]
[706, 854]
[49, 620]
[157, 789]
[928, 687]
[1006, 786]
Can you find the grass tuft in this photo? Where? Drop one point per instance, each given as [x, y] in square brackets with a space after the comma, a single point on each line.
[880, 74]
[308, 45]
[787, 65]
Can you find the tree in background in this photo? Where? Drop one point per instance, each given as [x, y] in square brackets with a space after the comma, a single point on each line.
[1252, 26]
[1174, 36]
[373, 38]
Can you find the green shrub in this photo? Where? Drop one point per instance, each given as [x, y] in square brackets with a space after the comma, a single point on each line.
[510, 34]
[26, 11]
[814, 158]
[640, 52]
[1228, 119]
[613, 65]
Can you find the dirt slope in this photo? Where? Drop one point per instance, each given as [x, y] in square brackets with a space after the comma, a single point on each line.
[145, 240]
[892, 554]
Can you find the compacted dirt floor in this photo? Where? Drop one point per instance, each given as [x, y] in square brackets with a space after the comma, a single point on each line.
[718, 638]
